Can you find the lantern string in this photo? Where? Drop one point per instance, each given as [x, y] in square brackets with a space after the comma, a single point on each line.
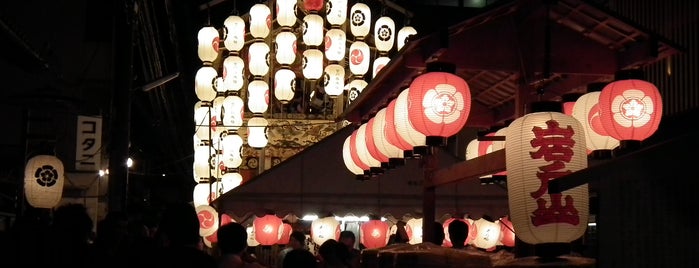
[208, 14]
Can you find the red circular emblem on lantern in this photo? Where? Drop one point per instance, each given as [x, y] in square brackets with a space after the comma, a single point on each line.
[356, 57]
[439, 104]
[267, 229]
[630, 109]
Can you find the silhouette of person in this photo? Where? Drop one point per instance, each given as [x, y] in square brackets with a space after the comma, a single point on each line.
[458, 233]
[299, 258]
[233, 242]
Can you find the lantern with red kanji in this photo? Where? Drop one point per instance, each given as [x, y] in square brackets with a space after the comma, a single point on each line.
[268, 229]
[630, 108]
[439, 103]
[286, 234]
[373, 234]
[542, 146]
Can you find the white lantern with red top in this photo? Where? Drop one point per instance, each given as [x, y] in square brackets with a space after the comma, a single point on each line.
[284, 85]
[360, 20]
[334, 80]
[371, 143]
[363, 150]
[404, 36]
[257, 132]
[488, 235]
[233, 70]
[43, 181]
[260, 20]
[392, 135]
[208, 40]
[312, 64]
[234, 30]
[359, 58]
[208, 220]
[335, 46]
[286, 13]
[403, 126]
[323, 229]
[379, 63]
[258, 59]
[380, 139]
[268, 229]
[258, 96]
[384, 34]
[587, 111]
[354, 153]
[373, 234]
[336, 11]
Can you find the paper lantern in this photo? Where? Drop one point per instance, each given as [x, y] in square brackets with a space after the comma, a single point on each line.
[507, 232]
[416, 235]
[202, 155]
[284, 85]
[258, 59]
[378, 134]
[233, 70]
[313, 30]
[630, 109]
[355, 87]
[208, 220]
[360, 20]
[257, 132]
[404, 36]
[373, 234]
[543, 146]
[312, 64]
[43, 181]
[234, 33]
[359, 58]
[229, 181]
[233, 112]
[392, 135]
[285, 46]
[402, 122]
[384, 34]
[334, 80]
[204, 83]
[379, 63]
[325, 228]
[202, 120]
[232, 145]
[208, 44]
[286, 12]
[286, 234]
[216, 116]
[336, 11]
[587, 111]
[347, 159]
[472, 149]
[363, 150]
[354, 153]
[335, 46]
[488, 235]
[204, 193]
[438, 105]
[208, 240]
[313, 6]
[258, 96]
[260, 20]
[251, 237]
[371, 143]
[447, 239]
[268, 229]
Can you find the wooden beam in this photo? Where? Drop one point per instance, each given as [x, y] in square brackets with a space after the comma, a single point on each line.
[483, 165]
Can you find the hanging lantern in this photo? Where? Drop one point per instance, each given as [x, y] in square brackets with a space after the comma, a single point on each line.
[371, 144]
[447, 240]
[204, 83]
[285, 46]
[378, 134]
[363, 150]
[286, 13]
[379, 63]
[507, 232]
[43, 181]
[233, 112]
[260, 20]
[257, 132]
[568, 101]
[208, 220]
[312, 30]
[284, 85]
[359, 58]
[392, 135]
[216, 117]
[373, 234]
[208, 44]
[202, 120]
[587, 111]
[202, 154]
[384, 34]
[403, 126]
[336, 11]
[438, 105]
[312, 64]
[488, 234]
[630, 109]
[472, 230]
[234, 33]
[416, 226]
[258, 59]
[354, 153]
[335, 46]
[313, 6]
[355, 87]
[472, 149]
[203, 194]
[232, 145]
[323, 229]
[233, 69]
[542, 146]
[286, 234]
[268, 229]
[230, 180]
[334, 80]
[251, 237]
[349, 162]
[208, 240]
[360, 20]
[258, 96]
[404, 36]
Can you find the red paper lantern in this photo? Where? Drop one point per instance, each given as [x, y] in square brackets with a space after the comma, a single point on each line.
[392, 135]
[286, 234]
[208, 220]
[374, 234]
[371, 143]
[313, 5]
[630, 109]
[507, 231]
[438, 105]
[225, 219]
[268, 229]
[354, 154]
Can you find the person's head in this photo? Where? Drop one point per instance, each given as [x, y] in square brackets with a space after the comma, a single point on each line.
[232, 238]
[438, 233]
[348, 238]
[333, 252]
[297, 240]
[401, 233]
[458, 232]
[179, 225]
[299, 258]
[71, 222]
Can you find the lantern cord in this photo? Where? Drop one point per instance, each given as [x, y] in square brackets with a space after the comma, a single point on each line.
[208, 14]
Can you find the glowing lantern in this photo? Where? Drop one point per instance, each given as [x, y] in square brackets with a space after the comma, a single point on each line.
[233, 112]
[379, 63]
[225, 219]
[416, 227]
[260, 20]
[312, 6]
[630, 109]
[378, 134]
[229, 181]
[384, 34]
[354, 153]
[371, 143]
[284, 85]
[472, 149]
[285, 44]
[203, 194]
[208, 44]
[335, 40]
[202, 120]
[312, 30]
[438, 105]
[360, 20]
[488, 234]
[208, 220]
[202, 155]
[258, 58]
[363, 150]
[507, 232]
[251, 237]
[257, 132]
[447, 239]
[334, 80]
[392, 135]
[286, 16]
[286, 234]
[268, 229]
[323, 229]
[359, 58]
[373, 234]
[542, 146]
[355, 87]
[234, 33]
[569, 102]
[336, 11]
[43, 181]
[403, 126]
[204, 83]
[312, 64]
[587, 111]
[404, 36]
[349, 162]
[216, 117]
[232, 145]
[233, 69]
[258, 96]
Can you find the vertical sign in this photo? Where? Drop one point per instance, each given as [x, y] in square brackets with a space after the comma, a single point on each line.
[88, 143]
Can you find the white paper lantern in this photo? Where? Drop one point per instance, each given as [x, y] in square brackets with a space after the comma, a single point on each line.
[234, 33]
[543, 146]
[379, 63]
[384, 33]
[355, 87]
[587, 111]
[323, 229]
[499, 145]
[334, 80]
[313, 30]
[208, 44]
[415, 225]
[285, 43]
[258, 59]
[472, 149]
[335, 45]
[202, 121]
[260, 20]
[404, 36]
[379, 134]
[230, 180]
[232, 148]
[233, 73]
[216, 117]
[208, 220]
[257, 132]
[251, 237]
[284, 85]
[359, 58]
[362, 149]
[336, 11]
[286, 12]
[202, 155]
[360, 20]
[488, 234]
[347, 158]
[43, 181]
[258, 96]
[204, 83]
[402, 124]
[312, 64]
[203, 194]
[233, 112]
